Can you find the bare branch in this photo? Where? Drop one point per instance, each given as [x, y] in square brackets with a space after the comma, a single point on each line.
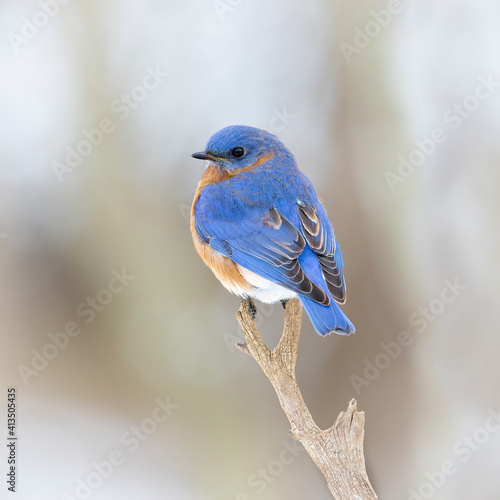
[337, 451]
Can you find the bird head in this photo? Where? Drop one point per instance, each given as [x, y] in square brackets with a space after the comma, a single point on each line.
[239, 146]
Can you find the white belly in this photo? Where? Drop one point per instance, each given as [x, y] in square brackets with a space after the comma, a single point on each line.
[264, 290]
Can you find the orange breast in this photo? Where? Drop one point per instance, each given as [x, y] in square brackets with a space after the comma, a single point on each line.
[225, 270]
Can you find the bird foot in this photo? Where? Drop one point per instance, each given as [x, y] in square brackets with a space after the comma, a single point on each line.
[283, 304]
[251, 308]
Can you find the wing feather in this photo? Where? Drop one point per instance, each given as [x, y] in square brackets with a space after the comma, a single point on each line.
[269, 245]
[318, 234]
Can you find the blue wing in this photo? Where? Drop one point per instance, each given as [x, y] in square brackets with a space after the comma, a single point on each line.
[302, 256]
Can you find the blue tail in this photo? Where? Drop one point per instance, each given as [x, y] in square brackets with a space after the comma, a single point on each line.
[327, 319]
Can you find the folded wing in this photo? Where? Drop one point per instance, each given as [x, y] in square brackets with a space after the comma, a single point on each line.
[268, 244]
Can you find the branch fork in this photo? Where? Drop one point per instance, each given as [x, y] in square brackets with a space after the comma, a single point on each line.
[337, 451]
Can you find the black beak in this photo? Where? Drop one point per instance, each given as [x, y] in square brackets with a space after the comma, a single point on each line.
[202, 156]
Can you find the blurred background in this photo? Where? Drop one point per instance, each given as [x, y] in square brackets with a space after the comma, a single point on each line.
[118, 338]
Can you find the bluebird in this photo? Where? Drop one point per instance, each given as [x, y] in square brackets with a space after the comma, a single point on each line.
[258, 225]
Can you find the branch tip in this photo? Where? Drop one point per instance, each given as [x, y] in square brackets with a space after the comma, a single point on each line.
[243, 348]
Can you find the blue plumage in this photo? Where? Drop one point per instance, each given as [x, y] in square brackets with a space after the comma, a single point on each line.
[257, 222]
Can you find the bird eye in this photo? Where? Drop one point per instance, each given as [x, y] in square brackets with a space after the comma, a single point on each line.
[238, 152]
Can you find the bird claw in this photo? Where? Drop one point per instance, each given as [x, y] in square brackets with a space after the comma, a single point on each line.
[251, 308]
[283, 304]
